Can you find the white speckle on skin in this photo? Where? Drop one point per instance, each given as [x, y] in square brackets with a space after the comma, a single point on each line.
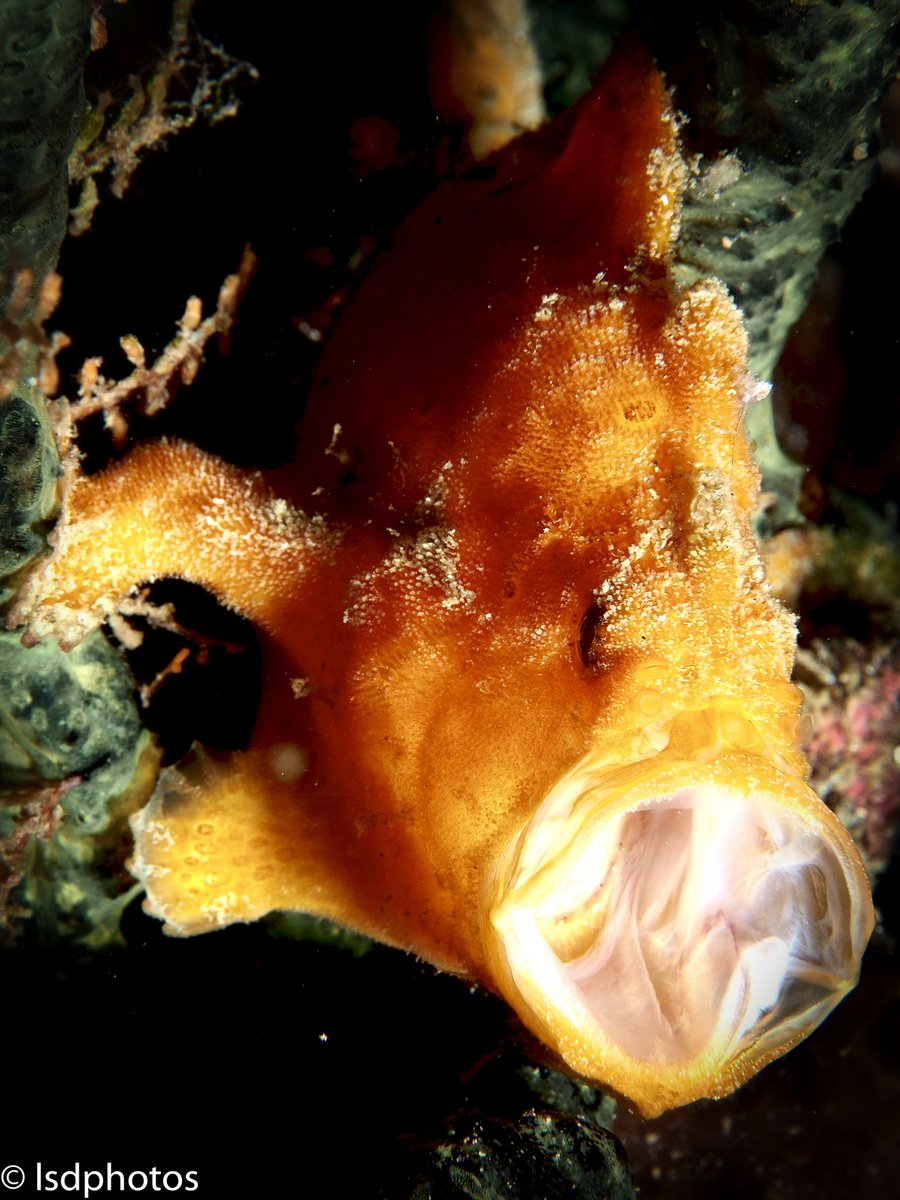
[422, 561]
[548, 303]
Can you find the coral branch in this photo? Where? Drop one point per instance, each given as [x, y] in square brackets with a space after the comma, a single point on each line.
[152, 387]
[22, 326]
[39, 817]
[153, 113]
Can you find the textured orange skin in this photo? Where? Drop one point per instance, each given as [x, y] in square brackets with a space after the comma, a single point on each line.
[517, 441]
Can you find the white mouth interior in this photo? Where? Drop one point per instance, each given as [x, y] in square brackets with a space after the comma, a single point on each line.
[694, 924]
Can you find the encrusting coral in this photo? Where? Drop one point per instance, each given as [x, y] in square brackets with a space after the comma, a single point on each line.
[526, 705]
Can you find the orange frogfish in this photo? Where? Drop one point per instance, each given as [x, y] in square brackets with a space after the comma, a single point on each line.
[526, 707]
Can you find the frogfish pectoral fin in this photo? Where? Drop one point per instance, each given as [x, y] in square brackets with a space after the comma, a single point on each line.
[670, 929]
[225, 840]
[170, 509]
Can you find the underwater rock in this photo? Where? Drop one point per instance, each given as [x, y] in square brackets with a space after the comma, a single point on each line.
[29, 470]
[540, 1156]
[42, 52]
[71, 719]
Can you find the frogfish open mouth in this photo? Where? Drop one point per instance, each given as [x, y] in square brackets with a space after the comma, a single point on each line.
[526, 707]
[677, 924]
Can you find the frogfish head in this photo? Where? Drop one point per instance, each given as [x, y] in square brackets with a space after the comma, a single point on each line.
[670, 927]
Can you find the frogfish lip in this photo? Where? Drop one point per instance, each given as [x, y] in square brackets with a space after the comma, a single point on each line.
[668, 928]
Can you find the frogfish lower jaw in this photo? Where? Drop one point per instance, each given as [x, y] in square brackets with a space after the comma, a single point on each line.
[672, 926]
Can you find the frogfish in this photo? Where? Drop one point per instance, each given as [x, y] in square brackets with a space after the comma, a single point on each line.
[526, 706]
